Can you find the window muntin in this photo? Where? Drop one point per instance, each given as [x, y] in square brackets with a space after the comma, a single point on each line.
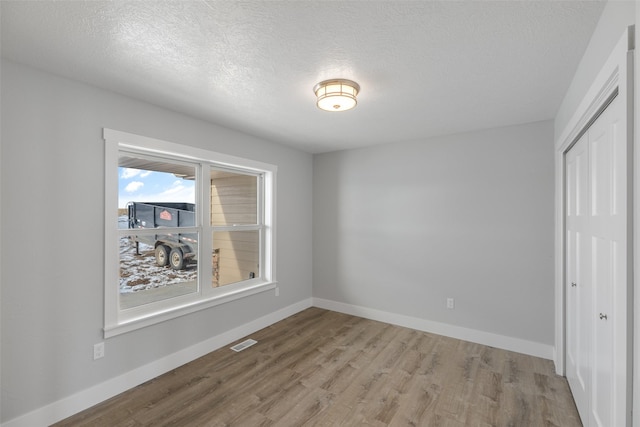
[238, 235]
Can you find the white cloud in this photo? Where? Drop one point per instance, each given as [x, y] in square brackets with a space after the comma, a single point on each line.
[130, 173]
[145, 174]
[178, 192]
[133, 186]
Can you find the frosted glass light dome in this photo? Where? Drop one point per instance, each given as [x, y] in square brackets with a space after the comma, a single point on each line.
[336, 94]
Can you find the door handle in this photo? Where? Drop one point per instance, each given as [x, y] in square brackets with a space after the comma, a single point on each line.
[603, 316]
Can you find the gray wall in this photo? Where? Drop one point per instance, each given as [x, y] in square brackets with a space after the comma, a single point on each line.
[401, 227]
[616, 17]
[53, 245]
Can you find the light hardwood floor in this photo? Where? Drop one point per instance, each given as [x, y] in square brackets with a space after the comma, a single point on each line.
[321, 368]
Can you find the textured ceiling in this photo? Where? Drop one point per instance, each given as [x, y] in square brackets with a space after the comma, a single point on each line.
[426, 68]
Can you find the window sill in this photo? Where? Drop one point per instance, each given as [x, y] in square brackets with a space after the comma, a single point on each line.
[132, 324]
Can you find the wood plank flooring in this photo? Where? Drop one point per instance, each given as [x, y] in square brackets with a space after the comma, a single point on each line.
[321, 368]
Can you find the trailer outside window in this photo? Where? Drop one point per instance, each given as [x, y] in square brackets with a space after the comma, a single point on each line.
[185, 229]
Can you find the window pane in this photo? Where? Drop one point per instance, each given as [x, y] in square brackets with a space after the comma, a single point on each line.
[236, 256]
[154, 182]
[143, 281]
[234, 198]
[155, 193]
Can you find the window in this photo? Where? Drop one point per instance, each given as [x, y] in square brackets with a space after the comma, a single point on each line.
[185, 229]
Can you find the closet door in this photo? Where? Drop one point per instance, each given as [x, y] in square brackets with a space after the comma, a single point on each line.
[609, 278]
[596, 268]
[578, 281]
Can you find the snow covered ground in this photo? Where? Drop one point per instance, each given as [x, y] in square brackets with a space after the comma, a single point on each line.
[140, 272]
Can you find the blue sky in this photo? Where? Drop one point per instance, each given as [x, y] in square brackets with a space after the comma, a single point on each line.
[135, 185]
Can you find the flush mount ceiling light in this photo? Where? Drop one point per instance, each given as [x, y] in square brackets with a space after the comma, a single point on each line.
[336, 94]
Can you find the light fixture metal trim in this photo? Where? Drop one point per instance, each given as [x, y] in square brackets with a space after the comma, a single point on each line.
[336, 94]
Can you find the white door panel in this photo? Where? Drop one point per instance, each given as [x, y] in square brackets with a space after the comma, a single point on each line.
[572, 342]
[578, 289]
[602, 383]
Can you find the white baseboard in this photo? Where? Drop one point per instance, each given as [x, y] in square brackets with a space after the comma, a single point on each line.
[486, 338]
[75, 403]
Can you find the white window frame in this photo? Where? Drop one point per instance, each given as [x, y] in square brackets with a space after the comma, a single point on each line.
[118, 321]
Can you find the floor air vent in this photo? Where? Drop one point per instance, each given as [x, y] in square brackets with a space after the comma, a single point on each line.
[244, 344]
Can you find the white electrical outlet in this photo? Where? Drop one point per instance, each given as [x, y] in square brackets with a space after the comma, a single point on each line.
[277, 292]
[98, 351]
[450, 303]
